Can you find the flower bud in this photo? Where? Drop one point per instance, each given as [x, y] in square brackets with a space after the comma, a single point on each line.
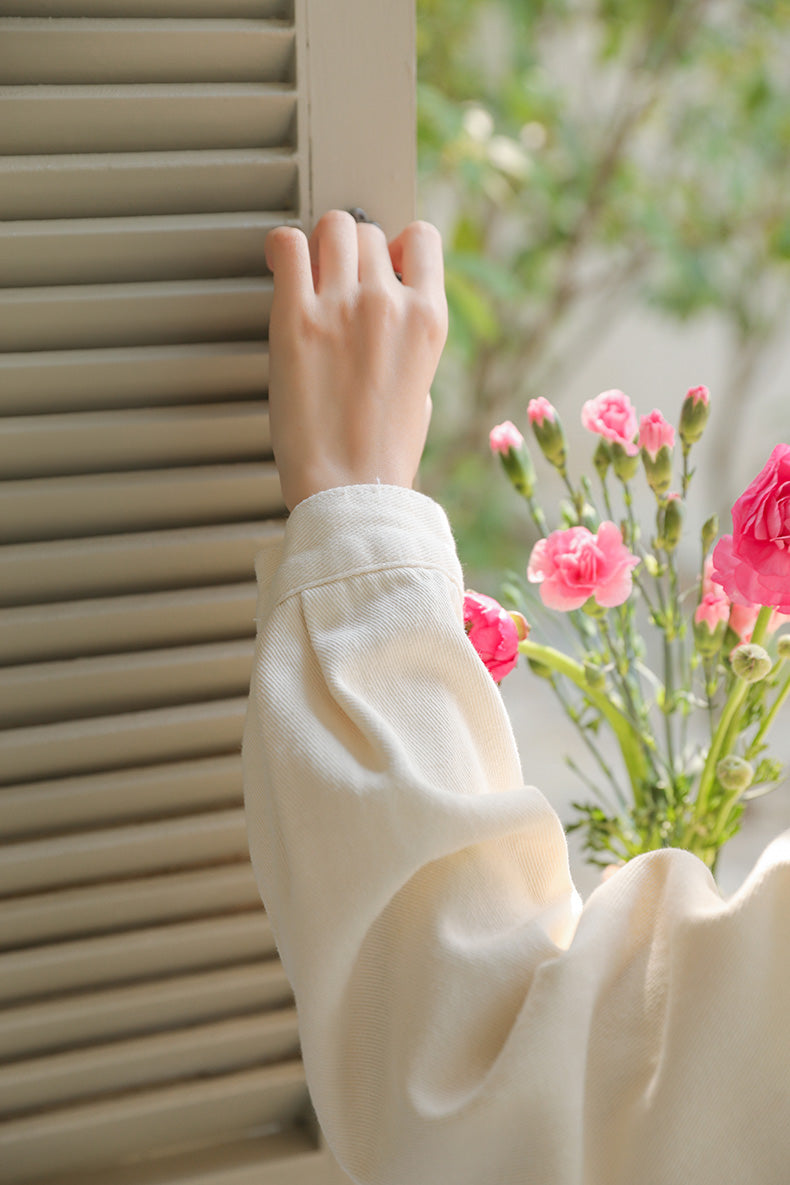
[548, 431]
[659, 470]
[750, 663]
[656, 440]
[523, 627]
[506, 440]
[710, 625]
[783, 646]
[602, 458]
[519, 468]
[694, 415]
[504, 437]
[710, 529]
[624, 465]
[669, 521]
[734, 773]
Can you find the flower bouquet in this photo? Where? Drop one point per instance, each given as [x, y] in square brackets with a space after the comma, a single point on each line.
[690, 737]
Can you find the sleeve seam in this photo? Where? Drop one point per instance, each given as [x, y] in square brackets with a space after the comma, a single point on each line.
[367, 570]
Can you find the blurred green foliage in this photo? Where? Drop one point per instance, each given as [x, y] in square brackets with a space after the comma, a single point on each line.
[578, 156]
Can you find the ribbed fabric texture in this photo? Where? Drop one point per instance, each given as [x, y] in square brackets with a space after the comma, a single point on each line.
[464, 1021]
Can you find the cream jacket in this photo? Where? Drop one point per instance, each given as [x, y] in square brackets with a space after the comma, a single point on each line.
[464, 1020]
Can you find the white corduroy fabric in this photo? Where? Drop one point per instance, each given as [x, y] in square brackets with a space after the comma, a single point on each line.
[464, 1021]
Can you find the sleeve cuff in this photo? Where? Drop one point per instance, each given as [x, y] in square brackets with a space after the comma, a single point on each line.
[353, 530]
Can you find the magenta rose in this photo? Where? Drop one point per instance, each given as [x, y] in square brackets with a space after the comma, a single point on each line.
[573, 565]
[753, 563]
[612, 415]
[492, 632]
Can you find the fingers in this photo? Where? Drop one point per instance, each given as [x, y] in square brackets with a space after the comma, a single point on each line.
[288, 258]
[417, 254]
[375, 265]
[341, 253]
[334, 251]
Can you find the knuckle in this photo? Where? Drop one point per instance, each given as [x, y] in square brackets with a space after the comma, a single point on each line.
[377, 301]
[433, 318]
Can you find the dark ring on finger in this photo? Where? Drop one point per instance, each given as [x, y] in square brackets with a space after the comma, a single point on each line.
[359, 215]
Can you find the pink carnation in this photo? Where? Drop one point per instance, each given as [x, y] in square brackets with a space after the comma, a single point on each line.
[539, 410]
[698, 395]
[655, 433]
[492, 632]
[712, 609]
[753, 564]
[573, 565]
[612, 415]
[505, 437]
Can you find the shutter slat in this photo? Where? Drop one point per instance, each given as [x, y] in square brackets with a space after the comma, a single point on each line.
[112, 184]
[38, 693]
[134, 955]
[58, 507]
[289, 1157]
[91, 856]
[117, 742]
[105, 799]
[92, 1135]
[94, 51]
[77, 380]
[228, 9]
[82, 1018]
[117, 250]
[75, 629]
[207, 1049]
[141, 562]
[93, 442]
[124, 905]
[151, 118]
[78, 316]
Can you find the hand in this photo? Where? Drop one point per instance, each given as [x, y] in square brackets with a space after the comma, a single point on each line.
[352, 352]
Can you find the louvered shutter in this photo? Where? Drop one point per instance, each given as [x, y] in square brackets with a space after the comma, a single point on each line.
[147, 1030]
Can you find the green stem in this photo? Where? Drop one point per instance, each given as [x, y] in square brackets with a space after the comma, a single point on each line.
[632, 523]
[576, 498]
[734, 701]
[769, 718]
[669, 692]
[686, 474]
[670, 633]
[628, 736]
[538, 517]
[621, 660]
[758, 635]
[761, 625]
[605, 768]
[606, 499]
[727, 728]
